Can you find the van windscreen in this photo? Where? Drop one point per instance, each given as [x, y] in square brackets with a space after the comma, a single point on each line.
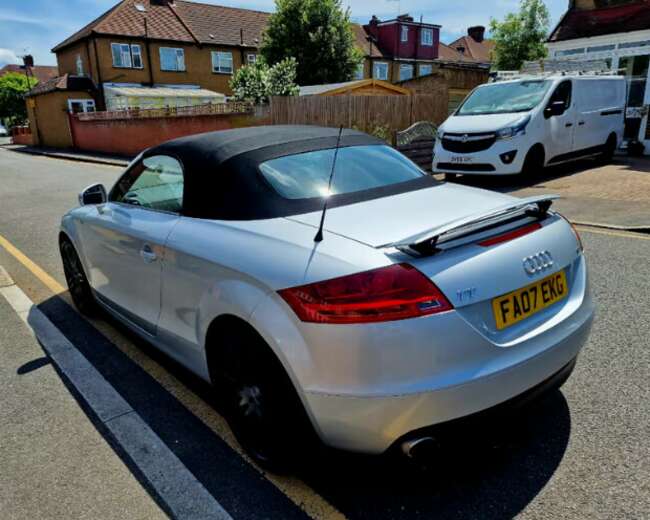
[503, 98]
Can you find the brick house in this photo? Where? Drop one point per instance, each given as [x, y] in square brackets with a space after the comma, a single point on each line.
[474, 46]
[150, 43]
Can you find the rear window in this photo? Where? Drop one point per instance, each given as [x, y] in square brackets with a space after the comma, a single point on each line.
[358, 168]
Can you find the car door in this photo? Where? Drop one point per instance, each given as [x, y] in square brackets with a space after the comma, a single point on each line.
[125, 239]
[561, 127]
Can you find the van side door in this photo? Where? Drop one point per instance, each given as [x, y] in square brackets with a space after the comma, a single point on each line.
[601, 106]
[560, 126]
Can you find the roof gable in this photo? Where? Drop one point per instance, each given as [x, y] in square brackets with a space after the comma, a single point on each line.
[479, 51]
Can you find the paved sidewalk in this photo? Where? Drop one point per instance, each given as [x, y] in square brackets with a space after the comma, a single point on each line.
[616, 195]
[71, 155]
[55, 464]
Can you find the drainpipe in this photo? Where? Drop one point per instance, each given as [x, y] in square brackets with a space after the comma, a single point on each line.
[147, 46]
[102, 99]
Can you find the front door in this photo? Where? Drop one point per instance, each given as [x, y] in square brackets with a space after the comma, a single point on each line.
[125, 240]
[561, 127]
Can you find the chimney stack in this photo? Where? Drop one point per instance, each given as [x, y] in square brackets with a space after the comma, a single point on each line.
[477, 33]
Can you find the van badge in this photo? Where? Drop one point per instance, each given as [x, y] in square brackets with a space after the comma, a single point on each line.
[464, 139]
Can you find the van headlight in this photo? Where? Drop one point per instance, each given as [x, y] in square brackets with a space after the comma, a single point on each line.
[517, 128]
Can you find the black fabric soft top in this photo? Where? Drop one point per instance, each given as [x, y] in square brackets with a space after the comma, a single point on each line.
[221, 170]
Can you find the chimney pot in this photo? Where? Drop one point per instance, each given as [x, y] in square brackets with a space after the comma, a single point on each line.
[477, 33]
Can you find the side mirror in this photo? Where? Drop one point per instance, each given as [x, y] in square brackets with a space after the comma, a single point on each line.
[94, 194]
[557, 108]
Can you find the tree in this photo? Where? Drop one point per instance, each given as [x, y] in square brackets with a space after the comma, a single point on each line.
[257, 82]
[318, 34]
[13, 87]
[520, 36]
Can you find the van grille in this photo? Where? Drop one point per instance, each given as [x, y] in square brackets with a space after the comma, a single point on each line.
[467, 143]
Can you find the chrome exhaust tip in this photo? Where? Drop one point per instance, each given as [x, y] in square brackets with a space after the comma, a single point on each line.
[413, 448]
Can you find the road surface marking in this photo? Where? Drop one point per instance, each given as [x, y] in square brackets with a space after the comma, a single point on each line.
[35, 269]
[180, 491]
[623, 234]
[295, 489]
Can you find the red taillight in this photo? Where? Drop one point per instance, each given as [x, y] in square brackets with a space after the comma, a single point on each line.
[390, 293]
[511, 235]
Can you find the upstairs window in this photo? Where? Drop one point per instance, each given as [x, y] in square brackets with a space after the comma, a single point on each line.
[126, 56]
[427, 37]
[222, 62]
[172, 60]
[405, 33]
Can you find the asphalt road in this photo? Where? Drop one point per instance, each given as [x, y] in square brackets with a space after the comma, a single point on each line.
[581, 453]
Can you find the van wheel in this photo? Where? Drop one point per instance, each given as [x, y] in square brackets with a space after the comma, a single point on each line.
[608, 151]
[450, 177]
[533, 163]
[259, 400]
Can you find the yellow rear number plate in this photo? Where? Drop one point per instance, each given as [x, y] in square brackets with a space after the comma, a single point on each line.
[518, 305]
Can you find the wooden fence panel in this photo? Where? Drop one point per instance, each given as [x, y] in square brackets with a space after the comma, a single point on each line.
[379, 115]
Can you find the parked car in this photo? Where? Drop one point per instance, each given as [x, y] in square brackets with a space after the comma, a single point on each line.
[421, 302]
[523, 125]
[3, 131]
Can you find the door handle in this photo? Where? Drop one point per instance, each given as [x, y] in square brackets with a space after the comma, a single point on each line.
[148, 254]
[569, 125]
[581, 123]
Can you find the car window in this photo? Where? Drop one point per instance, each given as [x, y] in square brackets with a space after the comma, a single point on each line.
[155, 183]
[562, 93]
[358, 168]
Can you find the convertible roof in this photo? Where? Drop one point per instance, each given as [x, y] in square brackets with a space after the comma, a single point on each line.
[222, 179]
[223, 145]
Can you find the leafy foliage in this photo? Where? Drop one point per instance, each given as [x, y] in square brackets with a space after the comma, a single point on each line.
[318, 34]
[257, 82]
[13, 87]
[520, 36]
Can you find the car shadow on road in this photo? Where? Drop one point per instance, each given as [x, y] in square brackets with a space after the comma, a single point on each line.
[489, 472]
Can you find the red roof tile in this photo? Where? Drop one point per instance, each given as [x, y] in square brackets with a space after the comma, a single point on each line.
[608, 20]
[40, 72]
[369, 49]
[65, 82]
[181, 21]
[478, 51]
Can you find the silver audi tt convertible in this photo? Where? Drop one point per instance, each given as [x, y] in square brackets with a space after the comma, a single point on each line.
[327, 287]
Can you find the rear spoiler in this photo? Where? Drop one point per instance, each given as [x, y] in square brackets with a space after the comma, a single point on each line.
[429, 240]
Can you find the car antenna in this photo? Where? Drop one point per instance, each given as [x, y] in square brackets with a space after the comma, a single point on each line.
[319, 234]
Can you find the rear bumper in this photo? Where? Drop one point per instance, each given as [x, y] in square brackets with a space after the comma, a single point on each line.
[373, 424]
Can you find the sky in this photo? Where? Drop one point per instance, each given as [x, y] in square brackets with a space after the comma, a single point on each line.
[35, 26]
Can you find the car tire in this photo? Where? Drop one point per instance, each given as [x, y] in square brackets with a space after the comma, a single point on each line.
[75, 276]
[609, 149]
[259, 400]
[533, 164]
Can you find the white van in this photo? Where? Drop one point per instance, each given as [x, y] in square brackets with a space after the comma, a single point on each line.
[521, 126]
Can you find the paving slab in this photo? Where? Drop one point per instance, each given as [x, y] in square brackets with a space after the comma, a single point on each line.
[55, 464]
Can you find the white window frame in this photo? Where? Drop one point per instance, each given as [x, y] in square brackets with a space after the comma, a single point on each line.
[251, 58]
[406, 66]
[127, 52]
[380, 65]
[180, 59]
[405, 33]
[218, 65]
[427, 66]
[87, 104]
[428, 40]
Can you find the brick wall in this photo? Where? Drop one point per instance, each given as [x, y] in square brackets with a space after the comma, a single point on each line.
[131, 136]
